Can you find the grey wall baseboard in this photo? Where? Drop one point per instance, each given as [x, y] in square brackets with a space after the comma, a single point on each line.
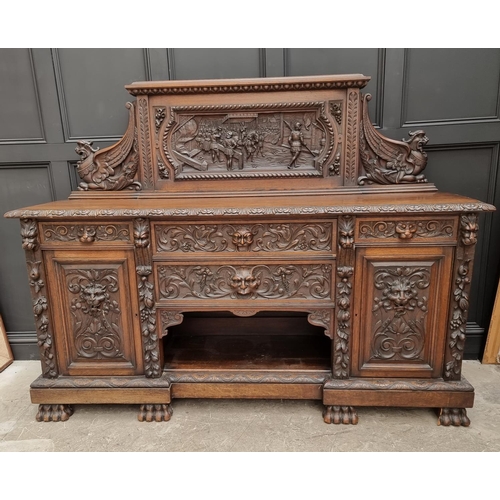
[24, 345]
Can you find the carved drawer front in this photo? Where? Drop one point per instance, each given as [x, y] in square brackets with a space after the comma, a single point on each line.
[85, 234]
[285, 282]
[93, 296]
[252, 238]
[397, 230]
[401, 305]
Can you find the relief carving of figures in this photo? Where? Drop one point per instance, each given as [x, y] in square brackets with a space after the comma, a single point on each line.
[242, 238]
[86, 233]
[245, 282]
[406, 230]
[387, 161]
[252, 140]
[400, 308]
[113, 168]
[95, 312]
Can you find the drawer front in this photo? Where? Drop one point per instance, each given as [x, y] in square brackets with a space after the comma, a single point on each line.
[395, 230]
[85, 234]
[262, 238]
[234, 282]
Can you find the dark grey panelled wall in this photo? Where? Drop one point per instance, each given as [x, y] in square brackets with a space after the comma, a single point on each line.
[49, 98]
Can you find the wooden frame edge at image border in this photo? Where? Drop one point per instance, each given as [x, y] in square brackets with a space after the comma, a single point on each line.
[492, 349]
[6, 357]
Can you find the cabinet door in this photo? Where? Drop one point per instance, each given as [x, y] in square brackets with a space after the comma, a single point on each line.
[94, 298]
[400, 316]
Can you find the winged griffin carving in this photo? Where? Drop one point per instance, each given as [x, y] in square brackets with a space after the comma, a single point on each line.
[387, 161]
[112, 168]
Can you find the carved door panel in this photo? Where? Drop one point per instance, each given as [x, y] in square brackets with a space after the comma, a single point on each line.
[95, 310]
[401, 311]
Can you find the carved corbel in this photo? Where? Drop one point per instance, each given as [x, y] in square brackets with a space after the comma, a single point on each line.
[113, 168]
[387, 161]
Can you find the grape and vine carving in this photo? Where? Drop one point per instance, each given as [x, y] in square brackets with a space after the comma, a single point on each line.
[95, 312]
[400, 309]
[245, 282]
[237, 238]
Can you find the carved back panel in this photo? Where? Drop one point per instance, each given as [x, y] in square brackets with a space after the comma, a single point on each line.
[251, 135]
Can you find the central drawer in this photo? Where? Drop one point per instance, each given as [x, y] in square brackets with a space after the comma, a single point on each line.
[245, 282]
[263, 238]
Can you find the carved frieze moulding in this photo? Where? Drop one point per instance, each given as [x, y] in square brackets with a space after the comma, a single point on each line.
[113, 168]
[96, 315]
[279, 281]
[85, 233]
[255, 140]
[387, 161]
[407, 229]
[244, 238]
[400, 308]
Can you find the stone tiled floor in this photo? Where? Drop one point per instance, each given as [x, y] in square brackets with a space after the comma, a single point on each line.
[244, 425]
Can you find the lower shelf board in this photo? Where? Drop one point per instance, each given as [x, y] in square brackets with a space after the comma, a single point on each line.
[247, 352]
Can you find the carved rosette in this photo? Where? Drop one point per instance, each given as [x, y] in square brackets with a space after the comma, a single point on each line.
[309, 281]
[248, 238]
[400, 309]
[113, 168]
[36, 274]
[459, 308]
[387, 161]
[95, 312]
[343, 330]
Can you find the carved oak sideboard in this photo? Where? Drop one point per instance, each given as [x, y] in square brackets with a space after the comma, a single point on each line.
[252, 239]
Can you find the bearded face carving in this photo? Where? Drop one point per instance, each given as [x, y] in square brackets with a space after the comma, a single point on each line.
[405, 230]
[94, 294]
[244, 283]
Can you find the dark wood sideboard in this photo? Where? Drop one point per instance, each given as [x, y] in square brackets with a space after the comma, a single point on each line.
[252, 239]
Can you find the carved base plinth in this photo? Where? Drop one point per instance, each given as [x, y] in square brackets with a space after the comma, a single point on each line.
[453, 416]
[54, 413]
[340, 415]
[155, 413]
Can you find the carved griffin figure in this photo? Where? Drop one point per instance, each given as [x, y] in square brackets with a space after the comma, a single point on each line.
[112, 168]
[387, 161]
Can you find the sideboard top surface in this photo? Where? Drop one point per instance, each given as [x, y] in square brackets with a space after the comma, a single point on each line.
[264, 205]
